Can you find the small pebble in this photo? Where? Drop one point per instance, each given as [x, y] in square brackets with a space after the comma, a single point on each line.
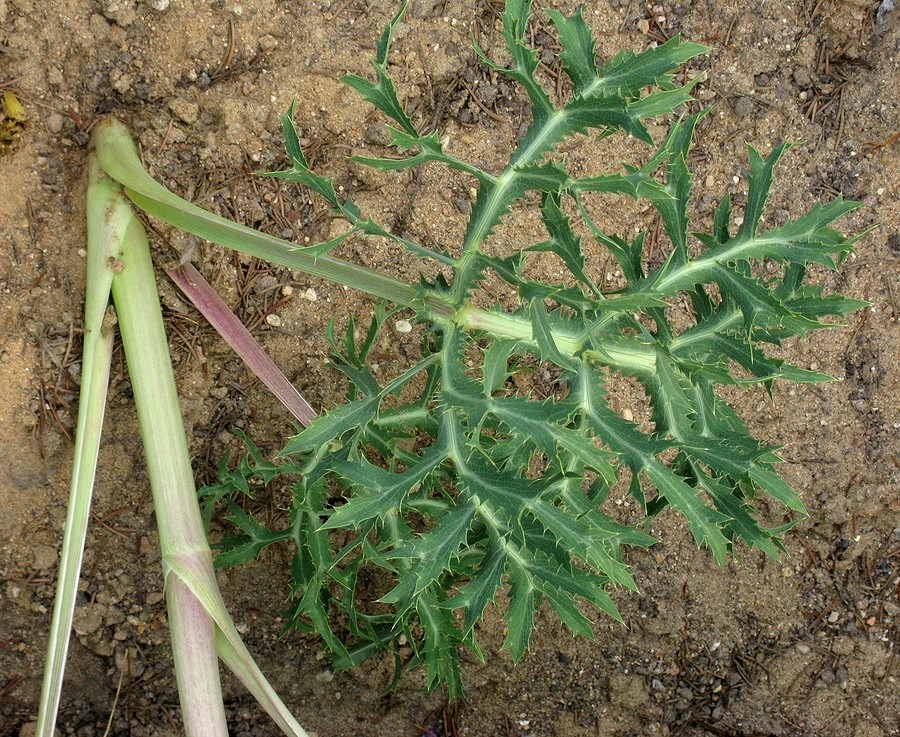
[268, 42]
[185, 110]
[743, 107]
[54, 122]
[44, 557]
[377, 134]
[802, 78]
[843, 646]
[311, 295]
[403, 326]
[273, 320]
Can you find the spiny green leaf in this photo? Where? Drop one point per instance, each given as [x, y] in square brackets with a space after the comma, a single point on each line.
[704, 521]
[545, 424]
[740, 516]
[809, 302]
[636, 184]
[495, 369]
[515, 23]
[774, 485]
[661, 103]
[292, 140]
[627, 254]
[523, 600]
[432, 552]
[496, 194]
[751, 295]
[563, 242]
[578, 54]
[678, 186]
[382, 93]
[246, 547]
[628, 73]
[640, 453]
[672, 404]
[440, 644]
[618, 434]
[805, 240]
[543, 336]
[722, 221]
[481, 589]
[756, 361]
[761, 178]
[459, 391]
[431, 150]
[333, 425]
[380, 492]
[507, 490]
[589, 543]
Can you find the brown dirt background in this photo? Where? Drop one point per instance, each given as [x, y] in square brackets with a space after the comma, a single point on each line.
[805, 646]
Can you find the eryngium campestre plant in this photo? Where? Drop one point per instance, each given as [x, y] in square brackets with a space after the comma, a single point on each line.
[454, 485]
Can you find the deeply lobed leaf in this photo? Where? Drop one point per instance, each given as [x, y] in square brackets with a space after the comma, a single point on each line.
[453, 488]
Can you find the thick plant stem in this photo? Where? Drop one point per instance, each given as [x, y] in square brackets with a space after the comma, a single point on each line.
[195, 634]
[119, 158]
[625, 354]
[104, 234]
[201, 627]
[171, 479]
[96, 360]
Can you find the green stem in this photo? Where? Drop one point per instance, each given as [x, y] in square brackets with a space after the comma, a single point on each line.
[629, 355]
[104, 232]
[201, 627]
[119, 158]
[181, 530]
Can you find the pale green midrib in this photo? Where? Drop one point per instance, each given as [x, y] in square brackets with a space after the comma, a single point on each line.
[627, 354]
[506, 180]
[700, 332]
[595, 86]
[407, 417]
[735, 250]
[627, 448]
[500, 530]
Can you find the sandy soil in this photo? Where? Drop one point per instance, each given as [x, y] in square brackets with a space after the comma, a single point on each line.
[805, 646]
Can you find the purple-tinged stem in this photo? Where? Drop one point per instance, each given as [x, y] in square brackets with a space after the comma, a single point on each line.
[214, 309]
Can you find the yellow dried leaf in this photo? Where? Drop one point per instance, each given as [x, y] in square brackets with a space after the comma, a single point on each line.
[12, 121]
[12, 109]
